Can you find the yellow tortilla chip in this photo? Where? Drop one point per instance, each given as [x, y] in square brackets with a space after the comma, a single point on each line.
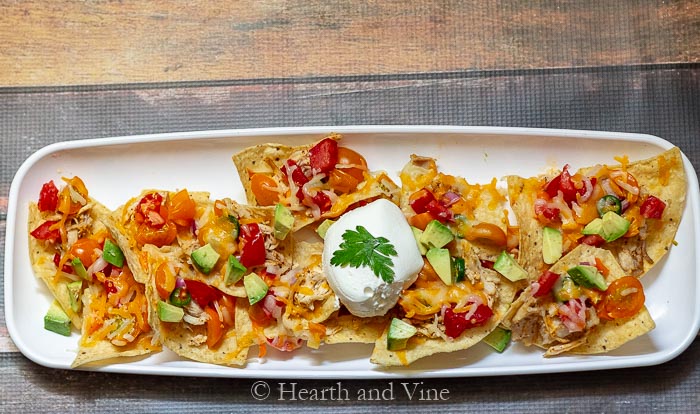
[526, 318]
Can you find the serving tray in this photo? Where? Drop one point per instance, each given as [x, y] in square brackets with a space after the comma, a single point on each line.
[116, 169]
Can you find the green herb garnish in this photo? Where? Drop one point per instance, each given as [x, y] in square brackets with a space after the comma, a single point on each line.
[360, 248]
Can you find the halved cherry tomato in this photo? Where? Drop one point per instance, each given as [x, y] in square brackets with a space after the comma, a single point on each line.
[652, 208]
[215, 327]
[346, 156]
[165, 281]
[546, 282]
[264, 189]
[148, 211]
[487, 233]
[44, 232]
[420, 199]
[48, 197]
[181, 208]
[439, 211]
[420, 221]
[341, 181]
[253, 249]
[259, 316]
[324, 155]
[202, 293]
[565, 184]
[623, 298]
[592, 240]
[456, 323]
[84, 249]
[66, 205]
[159, 237]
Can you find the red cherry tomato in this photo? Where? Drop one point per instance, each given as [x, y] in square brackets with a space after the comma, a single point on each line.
[565, 184]
[341, 181]
[593, 240]
[652, 208]
[148, 211]
[546, 282]
[346, 156]
[48, 197]
[84, 249]
[44, 232]
[456, 323]
[253, 250]
[324, 155]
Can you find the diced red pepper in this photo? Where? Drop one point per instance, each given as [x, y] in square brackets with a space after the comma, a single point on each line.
[456, 323]
[44, 232]
[593, 240]
[439, 212]
[149, 211]
[324, 155]
[652, 208]
[550, 213]
[565, 184]
[298, 177]
[57, 261]
[322, 200]
[253, 251]
[202, 293]
[48, 197]
[487, 264]
[420, 200]
[546, 282]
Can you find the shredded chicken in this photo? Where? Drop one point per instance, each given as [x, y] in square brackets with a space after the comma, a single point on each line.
[197, 340]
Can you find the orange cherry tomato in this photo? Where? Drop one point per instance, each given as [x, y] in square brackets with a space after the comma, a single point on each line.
[84, 249]
[622, 299]
[420, 221]
[181, 208]
[258, 315]
[349, 157]
[341, 181]
[165, 281]
[66, 205]
[215, 327]
[146, 234]
[487, 233]
[264, 189]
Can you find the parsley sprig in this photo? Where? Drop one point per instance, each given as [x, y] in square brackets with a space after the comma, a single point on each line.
[360, 248]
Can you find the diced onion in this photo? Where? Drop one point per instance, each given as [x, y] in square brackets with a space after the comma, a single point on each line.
[75, 196]
[450, 198]
[99, 265]
[589, 189]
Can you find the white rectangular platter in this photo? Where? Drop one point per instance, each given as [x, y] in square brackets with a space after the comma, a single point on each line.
[115, 169]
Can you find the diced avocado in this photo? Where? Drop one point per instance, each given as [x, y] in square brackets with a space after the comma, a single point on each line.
[417, 233]
[458, 269]
[234, 270]
[611, 227]
[587, 276]
[565, 289]
[283, 221]
[255, 288]
[498, 339]
[169, 313]
[551, 245]
[205, 258]
[441, 262]
[436, 235]
[399, 334]
[113, 254]
[56, 320]
[507, 266]
[323, 227]
[74, 294]
[79, 268]
[236, 226]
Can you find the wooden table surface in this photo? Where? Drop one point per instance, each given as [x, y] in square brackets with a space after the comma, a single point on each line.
[85, 69]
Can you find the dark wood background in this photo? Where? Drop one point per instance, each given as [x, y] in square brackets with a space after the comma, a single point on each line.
[85, 69]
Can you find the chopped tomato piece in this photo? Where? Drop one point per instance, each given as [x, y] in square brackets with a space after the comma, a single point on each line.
[456, 323]
[624, 298]
[322, 200]
[652, 208]
[487, 233]
[264, 189]
[253, 250]
[48, 197]
[549, 213]
[487, 264]
[565, 184]
[420, 199]
[165, 281]
[342, 182]
[594, 240]
[181, 208]
[298, 176]
[44, 232]
[439, 211]
[259, 316]
[546, 282]
[202, 293]
[159, 237]
[84, 249]
[57, 261]
[346, 156]
[215, 327]
[148, 211]
[324, 155]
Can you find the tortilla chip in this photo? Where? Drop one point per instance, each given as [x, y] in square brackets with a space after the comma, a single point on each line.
[268, 159]
[526, 314]
[347, 328]
[422, 346]
[662, 175]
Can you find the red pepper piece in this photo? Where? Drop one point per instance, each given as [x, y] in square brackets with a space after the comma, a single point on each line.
[44, 232]
[456, 323]
[253, 251]
[652, 208]
[593, 240]
[202, 293]
[546, 282]
[324, 155]
[48, 197]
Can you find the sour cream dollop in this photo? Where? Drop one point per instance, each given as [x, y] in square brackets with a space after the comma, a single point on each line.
[359, 289]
